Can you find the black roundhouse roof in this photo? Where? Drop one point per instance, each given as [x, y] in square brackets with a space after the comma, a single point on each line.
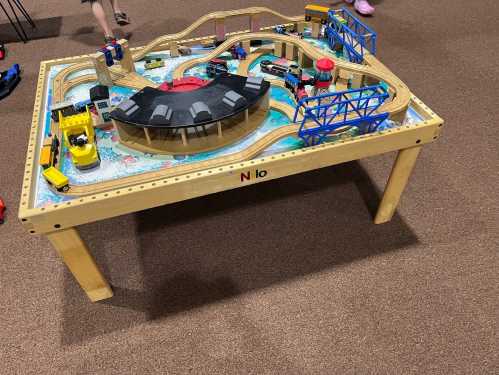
[138, 111]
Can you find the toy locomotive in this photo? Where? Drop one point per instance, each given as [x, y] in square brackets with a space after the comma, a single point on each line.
[293, 76]
[216, 67]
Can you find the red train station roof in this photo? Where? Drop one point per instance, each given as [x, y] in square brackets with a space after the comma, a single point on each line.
[325, 64]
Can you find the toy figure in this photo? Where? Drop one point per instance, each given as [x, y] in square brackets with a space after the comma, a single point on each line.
[362, 6]
[120, 17]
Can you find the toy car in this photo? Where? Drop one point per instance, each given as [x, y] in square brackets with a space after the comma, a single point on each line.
[153, 64]
[55, 178]
[2, 210]
[216, 67]
[9, 80]
[269, 67]
[281, 29]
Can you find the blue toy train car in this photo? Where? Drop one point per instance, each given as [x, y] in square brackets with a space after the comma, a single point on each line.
[9, 80]
[238, 52]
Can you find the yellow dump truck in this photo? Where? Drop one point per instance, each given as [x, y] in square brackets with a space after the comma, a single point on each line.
[79, 136]
[55, 178]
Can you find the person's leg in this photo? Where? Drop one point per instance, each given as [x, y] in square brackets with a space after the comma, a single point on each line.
[100, 15]
[116, 6]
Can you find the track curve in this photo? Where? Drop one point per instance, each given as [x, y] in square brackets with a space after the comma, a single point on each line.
[248, 153]
[402, 96]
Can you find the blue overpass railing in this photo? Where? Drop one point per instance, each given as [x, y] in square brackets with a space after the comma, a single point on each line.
[345, 30]
[323, 114]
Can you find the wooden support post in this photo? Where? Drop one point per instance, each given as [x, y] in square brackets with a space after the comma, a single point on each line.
[246, 115]
[80, 262]
[402, 169]
[101, 69]
[291, 52]
[316, 29]
[399, 116]
[278, 49]
[220, 29]
[183, 134]
[254, 23]
[148, 137]
[356, 81]
[219, 128]
[304, 61]
[174, 49]
[342, 80]
[300, 27]
[246, 45]
[127, 62]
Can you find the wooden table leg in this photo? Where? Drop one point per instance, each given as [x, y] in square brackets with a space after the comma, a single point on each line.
[401, 171]
[80, 262]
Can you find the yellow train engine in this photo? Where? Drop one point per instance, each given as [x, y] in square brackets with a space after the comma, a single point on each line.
[316, 13]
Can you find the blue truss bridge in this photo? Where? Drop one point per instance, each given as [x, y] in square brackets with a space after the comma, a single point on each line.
[325, 114]
[345, 31]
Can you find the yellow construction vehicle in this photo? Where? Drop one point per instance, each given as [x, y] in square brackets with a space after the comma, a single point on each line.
[79, 136]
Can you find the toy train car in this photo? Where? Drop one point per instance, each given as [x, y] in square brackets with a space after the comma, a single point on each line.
[9, 80]
[67, 108]
[296, 86]
[270, 67]
[216, 67]
[48, 159]
[284, 30]
[294, 81]
[49, 152]
[154, 63]
[238, 52]
[56, 179]
[316, 13]
[114, 48]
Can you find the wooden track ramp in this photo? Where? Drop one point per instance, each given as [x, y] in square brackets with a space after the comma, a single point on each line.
[244, 65]
[208, 18]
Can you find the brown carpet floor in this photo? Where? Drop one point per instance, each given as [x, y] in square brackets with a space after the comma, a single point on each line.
[289, 276]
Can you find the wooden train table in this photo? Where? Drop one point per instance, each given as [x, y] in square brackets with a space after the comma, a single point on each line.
[262, 141]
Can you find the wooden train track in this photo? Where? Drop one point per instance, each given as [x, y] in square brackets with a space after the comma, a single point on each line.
[248, 153]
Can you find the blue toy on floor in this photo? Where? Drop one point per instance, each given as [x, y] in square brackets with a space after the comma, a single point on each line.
[9, 80]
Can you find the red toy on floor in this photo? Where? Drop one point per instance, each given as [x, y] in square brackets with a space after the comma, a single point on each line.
[2, 210]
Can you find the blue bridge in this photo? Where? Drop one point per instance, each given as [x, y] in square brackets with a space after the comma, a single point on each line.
[345, 31]
[325, 114]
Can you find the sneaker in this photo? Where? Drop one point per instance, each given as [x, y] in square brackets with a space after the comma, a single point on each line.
[108, 40]
[363, 7]
[121, 19]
